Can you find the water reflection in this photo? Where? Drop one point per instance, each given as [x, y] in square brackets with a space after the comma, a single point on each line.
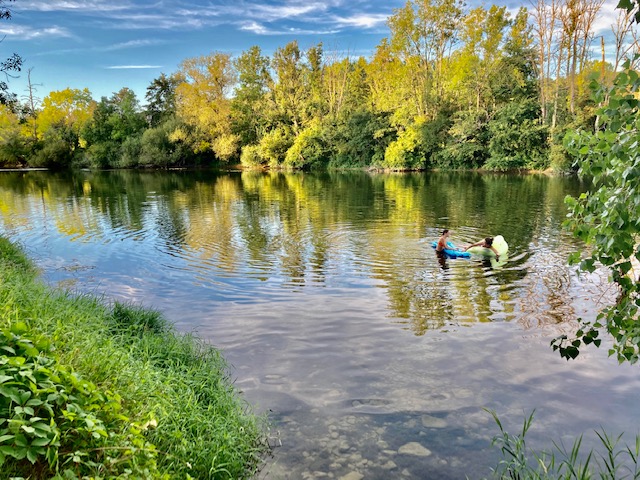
[336, 314]
[309, 230]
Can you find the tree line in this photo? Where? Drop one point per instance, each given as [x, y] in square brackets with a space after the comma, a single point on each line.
[450, 87]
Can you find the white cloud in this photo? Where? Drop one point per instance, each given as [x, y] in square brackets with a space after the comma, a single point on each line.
[72, 5]
[260, 29]
[143, 21]
[131, 44]
[363, 20]
[275, 12]
[22, 32]
[255, 27]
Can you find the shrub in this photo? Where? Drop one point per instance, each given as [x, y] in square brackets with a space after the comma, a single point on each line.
[274, 145]
[59, 422]
[250, 156]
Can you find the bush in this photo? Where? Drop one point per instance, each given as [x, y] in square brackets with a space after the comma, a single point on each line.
[274, 145]
[250, 156]
[308, 149]
[130, 152]
[406, 153]
[60, 422]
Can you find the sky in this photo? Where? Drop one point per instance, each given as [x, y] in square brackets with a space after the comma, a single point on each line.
[105, 45]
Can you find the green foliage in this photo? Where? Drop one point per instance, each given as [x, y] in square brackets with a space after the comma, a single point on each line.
[357, 139]
[605, 217]
[250, 156]
[614, 461]
[517, 139]
[57, 421]
[274, 145]
[13, 148]
[559, 158]
[130, 152]
[161, 147]
[308, 149]
[54, 154]
[467, 142]
[248, 106]
[408, 151]
[113, 134]
[161, 99]
[87, 390]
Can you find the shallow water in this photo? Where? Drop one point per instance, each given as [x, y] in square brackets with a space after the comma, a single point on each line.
[372, 358]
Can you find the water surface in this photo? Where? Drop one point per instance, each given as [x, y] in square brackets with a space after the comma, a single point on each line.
[372, 358]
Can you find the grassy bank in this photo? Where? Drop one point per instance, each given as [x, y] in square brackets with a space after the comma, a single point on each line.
[89, 388]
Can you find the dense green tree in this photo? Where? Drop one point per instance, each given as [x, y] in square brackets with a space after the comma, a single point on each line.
[451, 87]
[161, 99]
[13, 148]
[249, 104]
[289, 94]
[308, 149]
[516, 137]
[116, 121]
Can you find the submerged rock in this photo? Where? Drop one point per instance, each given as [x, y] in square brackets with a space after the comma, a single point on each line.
[433, 422]
[414, 448]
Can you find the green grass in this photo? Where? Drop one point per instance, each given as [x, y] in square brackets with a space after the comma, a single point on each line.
[166, 397]
[615, 460]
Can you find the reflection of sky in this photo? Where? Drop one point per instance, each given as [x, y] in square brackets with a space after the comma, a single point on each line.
[350, 333]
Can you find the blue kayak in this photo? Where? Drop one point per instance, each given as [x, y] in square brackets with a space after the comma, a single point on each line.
[452, 251]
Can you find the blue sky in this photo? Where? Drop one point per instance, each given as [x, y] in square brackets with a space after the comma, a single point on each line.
[105, 45]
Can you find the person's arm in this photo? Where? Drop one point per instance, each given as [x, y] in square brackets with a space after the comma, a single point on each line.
[477, 244]
[495, 251]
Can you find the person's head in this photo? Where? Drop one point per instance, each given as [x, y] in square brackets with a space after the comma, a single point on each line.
[445, 232]
[488, 241]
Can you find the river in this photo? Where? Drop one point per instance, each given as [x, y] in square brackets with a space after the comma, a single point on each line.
[372, 358]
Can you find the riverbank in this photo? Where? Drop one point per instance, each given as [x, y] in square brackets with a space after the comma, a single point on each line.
[89, 388]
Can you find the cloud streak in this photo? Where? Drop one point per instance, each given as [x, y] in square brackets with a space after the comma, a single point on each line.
[72, 6]
[259, 29]
[131, 44]
[22, 32]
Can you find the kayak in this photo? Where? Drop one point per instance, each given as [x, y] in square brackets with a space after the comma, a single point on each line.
[499, 244]
[452, 251]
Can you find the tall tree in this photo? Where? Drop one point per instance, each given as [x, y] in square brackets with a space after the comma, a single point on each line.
[426, 31]
[202, 101]
[248, 107]
[115, 121]
[289, 93]
[71, 108]
[32, 107]
[161, 98]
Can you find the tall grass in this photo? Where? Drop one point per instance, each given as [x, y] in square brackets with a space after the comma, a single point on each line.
[614, 461]
[172, 389]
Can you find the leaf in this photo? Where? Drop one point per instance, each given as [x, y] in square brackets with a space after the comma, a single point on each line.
[626, 5]
[32, 456]
[4, 438]
[40, 442]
